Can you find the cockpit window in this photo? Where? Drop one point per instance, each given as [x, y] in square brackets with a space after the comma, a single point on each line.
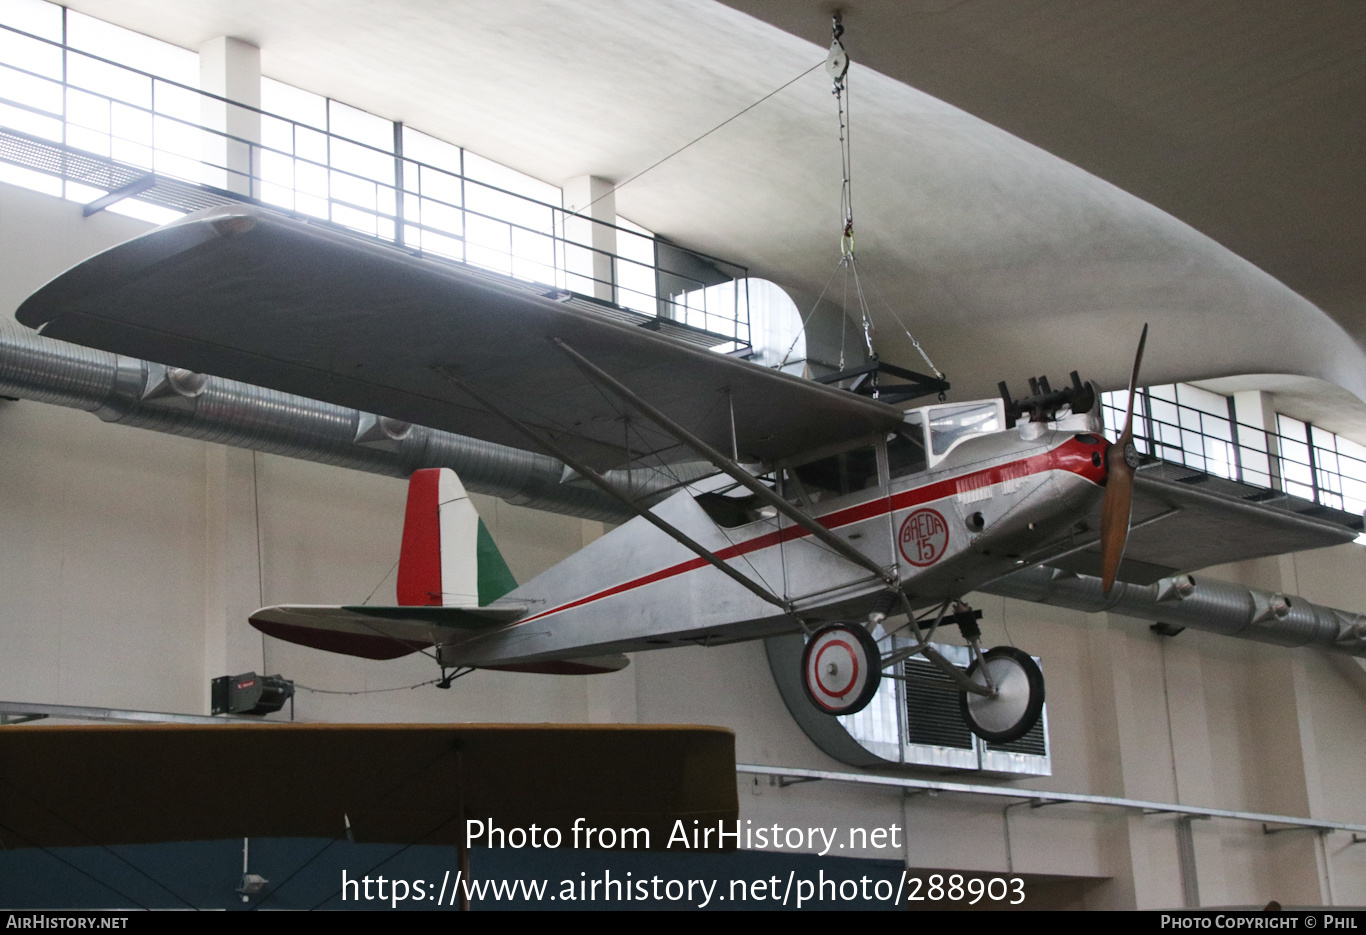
[847, 472]
[734, 511]
[732, 505]
[906, 447]
[950, 423]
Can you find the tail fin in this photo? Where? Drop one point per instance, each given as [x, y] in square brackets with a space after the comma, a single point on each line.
[448, 557]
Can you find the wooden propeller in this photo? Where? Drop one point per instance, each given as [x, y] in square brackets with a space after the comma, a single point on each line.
[1121, 460]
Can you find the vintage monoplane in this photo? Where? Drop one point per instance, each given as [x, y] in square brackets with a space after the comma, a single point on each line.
[820, 509]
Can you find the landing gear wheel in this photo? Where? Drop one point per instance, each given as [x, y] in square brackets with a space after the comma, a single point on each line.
[841, 668]
[1014, 710]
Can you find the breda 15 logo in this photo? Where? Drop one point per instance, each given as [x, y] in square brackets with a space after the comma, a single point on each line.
[924, 537]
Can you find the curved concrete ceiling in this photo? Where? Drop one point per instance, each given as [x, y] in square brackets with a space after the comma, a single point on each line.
[1006, 260]
[1243, 119]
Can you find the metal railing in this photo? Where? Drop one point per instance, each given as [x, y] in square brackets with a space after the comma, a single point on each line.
[1295, 458]
[1046, 797]
[102, 132]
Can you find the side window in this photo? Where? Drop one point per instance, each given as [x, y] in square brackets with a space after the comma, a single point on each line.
[734, 511]
[732, 506]
[906, 448]
[847, 472]
[950, 423]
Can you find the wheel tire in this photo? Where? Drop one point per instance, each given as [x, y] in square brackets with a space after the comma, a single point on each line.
[841, 668]
[1015, 709]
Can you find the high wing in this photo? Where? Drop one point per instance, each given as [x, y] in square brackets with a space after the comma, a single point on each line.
[247, 294]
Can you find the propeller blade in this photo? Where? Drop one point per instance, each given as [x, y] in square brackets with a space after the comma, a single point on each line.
[1133, 383]
[1115, 512]
[1121, 460]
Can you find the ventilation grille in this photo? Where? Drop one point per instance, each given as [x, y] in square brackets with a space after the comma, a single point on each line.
[1034, 743]
[933, 716]
[935, 734]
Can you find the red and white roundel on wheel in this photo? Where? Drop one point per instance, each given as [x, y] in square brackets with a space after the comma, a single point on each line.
[841, 668]
[924, 537]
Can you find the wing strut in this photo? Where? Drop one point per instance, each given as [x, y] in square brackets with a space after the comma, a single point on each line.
[747, 480]
[598, 480]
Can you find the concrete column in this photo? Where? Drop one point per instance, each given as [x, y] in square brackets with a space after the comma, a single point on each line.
[1132, 759]
[590, 230]
[1289, 775]
[1253, 408]
[1192, 762]
[1154, 741]
[232, 583]
[231, 68]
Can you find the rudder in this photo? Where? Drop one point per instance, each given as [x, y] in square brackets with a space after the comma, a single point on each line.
[448, 557]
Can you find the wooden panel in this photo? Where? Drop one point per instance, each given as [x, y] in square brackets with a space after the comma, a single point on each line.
[106, 785]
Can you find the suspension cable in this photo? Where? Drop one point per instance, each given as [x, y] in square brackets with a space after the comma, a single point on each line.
[837, 67]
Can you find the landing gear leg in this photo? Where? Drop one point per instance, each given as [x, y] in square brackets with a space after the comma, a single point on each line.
[1002, 693]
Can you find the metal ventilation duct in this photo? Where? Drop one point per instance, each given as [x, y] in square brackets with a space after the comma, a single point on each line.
[1206, 604]
[147, 395]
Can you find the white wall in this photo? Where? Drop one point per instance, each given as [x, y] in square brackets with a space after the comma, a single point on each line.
[129, 559]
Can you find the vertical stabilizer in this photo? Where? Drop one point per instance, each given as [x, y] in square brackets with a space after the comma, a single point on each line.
[495, 578]
[439, 561]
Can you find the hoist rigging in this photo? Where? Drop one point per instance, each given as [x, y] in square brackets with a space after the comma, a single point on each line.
[837, 67]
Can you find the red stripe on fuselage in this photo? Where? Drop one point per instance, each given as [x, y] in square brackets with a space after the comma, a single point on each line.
[1071, 456]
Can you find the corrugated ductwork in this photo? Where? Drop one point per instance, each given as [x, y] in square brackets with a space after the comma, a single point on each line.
[1201, 604]
[147, 395]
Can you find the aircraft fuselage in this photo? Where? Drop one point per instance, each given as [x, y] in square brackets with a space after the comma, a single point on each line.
[981, 511]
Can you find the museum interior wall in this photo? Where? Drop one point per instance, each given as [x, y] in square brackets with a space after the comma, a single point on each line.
[129, 561]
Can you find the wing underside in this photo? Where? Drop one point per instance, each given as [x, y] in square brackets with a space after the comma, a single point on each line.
[391, 632]
[1185, 520]
[246, 294]
[376, 632]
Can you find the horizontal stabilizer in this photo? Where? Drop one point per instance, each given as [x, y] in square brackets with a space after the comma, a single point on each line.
[379, 632]
[582, 665]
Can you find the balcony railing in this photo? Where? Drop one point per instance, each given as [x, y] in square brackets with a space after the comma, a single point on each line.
[1290, 458]
[97, 131]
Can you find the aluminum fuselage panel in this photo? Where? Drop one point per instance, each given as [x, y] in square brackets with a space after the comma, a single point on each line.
[943, 531]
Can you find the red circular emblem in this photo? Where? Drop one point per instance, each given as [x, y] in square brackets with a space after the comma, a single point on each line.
[849, 655]
[924, 537]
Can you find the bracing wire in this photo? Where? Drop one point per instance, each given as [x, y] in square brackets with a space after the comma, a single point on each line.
[381, 583]
[698, 139]
[85, 873]
[374, 804]
[807, 320]
[872, 283]
[104, 847]
[368, 691]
